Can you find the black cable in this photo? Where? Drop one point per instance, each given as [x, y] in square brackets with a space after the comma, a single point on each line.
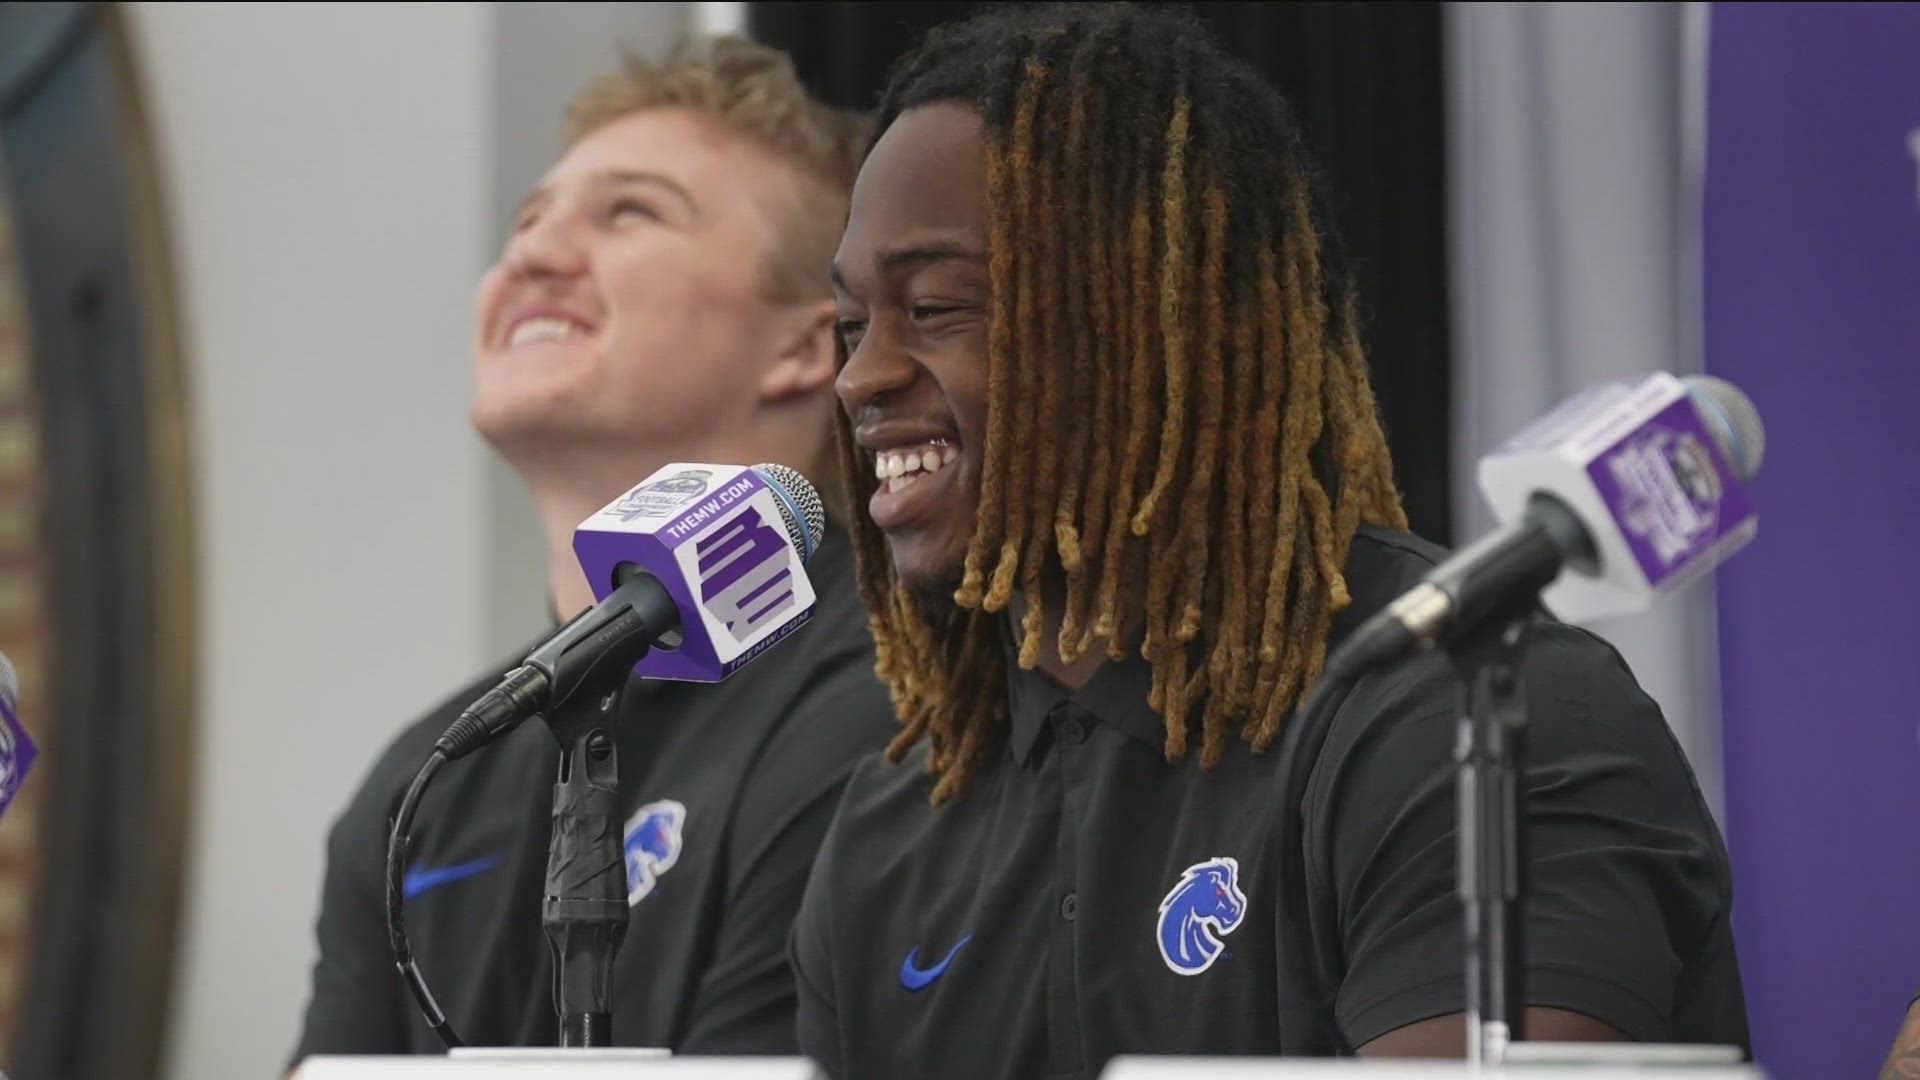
[520, 694]
[491, 715]
[397, 845]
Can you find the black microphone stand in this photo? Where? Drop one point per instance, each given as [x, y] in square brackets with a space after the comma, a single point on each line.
[584, 910]
[575, 679]
[1491, 827]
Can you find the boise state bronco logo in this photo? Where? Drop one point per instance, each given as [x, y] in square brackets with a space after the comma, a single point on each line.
[652, 845]
[1205, 906]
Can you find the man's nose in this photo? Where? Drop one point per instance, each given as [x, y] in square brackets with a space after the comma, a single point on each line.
[548, 248]
[876, 367]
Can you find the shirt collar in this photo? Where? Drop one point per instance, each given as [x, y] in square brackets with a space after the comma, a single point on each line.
[1116, 695]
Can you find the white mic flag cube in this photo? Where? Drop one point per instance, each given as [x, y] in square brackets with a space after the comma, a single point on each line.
[1638, 464]
[713, 536]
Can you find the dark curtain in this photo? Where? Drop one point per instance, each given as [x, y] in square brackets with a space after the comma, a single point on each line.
[1365, 82]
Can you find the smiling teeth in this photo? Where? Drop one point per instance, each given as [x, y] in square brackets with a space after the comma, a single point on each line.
[897, 468]
[542, 329]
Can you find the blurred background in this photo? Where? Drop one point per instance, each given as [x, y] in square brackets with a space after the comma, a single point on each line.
[246, 533]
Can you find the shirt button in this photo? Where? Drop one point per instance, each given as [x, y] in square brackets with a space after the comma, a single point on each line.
[1069, 907]
[1072, 728]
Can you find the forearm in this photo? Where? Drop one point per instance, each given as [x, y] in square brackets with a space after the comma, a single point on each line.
[1446, 1036]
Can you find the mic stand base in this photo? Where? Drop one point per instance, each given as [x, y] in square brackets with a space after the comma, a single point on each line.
[1491, 829]
[584, 911]
[586, 1029]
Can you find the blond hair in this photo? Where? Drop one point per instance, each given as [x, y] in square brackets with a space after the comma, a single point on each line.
[754, 91]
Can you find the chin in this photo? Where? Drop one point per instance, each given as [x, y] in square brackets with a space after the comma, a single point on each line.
[518, 414]
[930, 582]
[503, 420]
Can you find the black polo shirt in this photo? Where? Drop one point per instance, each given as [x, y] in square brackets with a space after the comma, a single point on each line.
[728, 789]
[1086, 899]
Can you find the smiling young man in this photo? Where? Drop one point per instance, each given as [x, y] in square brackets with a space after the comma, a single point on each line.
[663, 297]
[1123, 479]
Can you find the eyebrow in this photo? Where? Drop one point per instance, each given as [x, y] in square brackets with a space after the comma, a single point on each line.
[893, 260]
[618, 176]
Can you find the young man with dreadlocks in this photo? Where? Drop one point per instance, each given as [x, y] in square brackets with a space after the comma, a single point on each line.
[1123, 482]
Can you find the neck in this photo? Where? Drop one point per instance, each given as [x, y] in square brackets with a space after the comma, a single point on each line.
[565, 498]
[567, 486]
[1070, 674]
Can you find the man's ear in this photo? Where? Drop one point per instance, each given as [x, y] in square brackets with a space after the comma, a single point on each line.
[807, 360]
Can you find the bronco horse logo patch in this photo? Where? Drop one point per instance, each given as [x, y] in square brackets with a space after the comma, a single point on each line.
[652, 845]
[1205, 906]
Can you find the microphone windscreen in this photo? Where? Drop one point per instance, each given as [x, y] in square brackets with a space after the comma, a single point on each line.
[9, 684]
[801, 510]
[1732, 419]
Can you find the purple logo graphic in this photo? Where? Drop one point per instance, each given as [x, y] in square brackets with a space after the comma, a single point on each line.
[16, 755]
[661, 497]
[1671, 491]
[1204, 906]
[652, 845]
[745, 581]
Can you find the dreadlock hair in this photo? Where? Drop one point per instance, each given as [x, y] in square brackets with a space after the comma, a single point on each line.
[1179, 424]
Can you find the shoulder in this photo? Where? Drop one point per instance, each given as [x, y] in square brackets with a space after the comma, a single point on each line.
[817, 705]
[1583, 703]
[871, 851]
[885, 807]
[1562, 664]
[868, 839]
[880, 788]
[820, 738]
[834, 647]
[1569, 677]
[387, 779]
[1586, 716]
[818, 688]
[1382, 563]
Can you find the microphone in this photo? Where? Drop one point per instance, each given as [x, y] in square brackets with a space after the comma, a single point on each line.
[1639, 488]
[17, 750]
[697, 569]
[728, 544]
[693, 582]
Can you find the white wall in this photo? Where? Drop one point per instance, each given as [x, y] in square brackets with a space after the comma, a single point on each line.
[325, 171]
[1573, 232]
[338, 176]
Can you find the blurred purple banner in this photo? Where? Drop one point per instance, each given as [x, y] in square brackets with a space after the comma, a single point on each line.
[1812, 294]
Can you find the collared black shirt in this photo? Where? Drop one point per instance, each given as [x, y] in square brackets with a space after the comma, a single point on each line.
[1084, 898]
[755, 765]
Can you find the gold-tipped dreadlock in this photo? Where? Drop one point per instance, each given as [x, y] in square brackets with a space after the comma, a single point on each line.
[1177, 350]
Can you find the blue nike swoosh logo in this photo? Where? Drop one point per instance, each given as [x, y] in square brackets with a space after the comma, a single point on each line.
[418, 881]
[915, 978]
